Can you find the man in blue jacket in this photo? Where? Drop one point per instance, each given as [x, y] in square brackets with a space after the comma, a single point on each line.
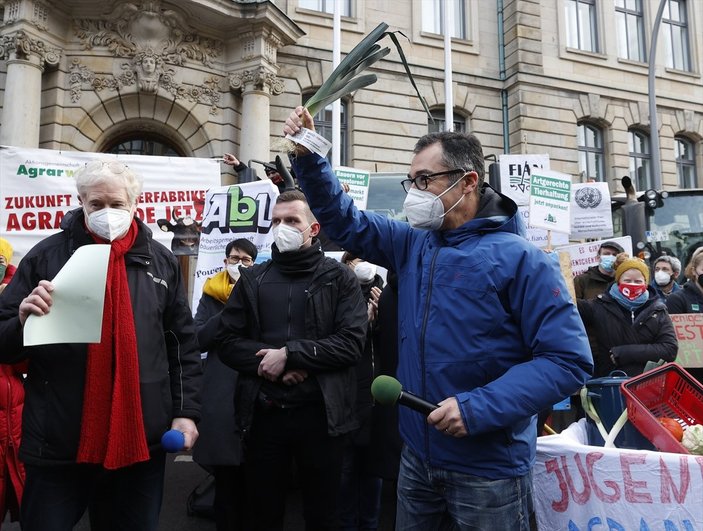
[486, 330]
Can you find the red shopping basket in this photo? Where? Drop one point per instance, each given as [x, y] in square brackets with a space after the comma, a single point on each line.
[667, 391]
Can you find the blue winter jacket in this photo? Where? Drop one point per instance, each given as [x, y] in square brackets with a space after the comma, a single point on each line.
[484, 316]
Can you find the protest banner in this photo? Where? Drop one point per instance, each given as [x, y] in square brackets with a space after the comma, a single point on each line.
[516, 172]
[37, 189]
[689, 332]
[358, 181]
[232, 212]
[579, 487]
[540, 237]
[591, 215]
[550, 201]
[585, 255]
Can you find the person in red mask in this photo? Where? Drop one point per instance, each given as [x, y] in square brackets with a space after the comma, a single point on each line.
[631, 323]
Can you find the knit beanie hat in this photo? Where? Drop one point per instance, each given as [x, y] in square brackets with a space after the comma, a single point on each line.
[6, 249]
[632, 263]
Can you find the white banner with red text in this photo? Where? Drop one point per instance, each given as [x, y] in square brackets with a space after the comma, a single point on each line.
[579, 487]
[37, 189]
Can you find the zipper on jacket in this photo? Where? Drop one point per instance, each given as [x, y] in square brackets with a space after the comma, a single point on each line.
[632, 314]
[290, 296]
[422, 347]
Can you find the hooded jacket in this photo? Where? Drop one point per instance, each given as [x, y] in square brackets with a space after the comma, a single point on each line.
[484, 316]
[688, 299]
[169, 359]
[633, 338]
[335, 331]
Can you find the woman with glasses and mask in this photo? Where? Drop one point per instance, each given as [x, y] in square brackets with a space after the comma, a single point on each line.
[219, 446]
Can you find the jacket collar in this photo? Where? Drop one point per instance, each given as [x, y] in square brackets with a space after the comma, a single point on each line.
[496, 213]
[73, 224]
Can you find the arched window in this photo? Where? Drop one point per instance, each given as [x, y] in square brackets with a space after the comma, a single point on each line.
[143, 145]
[323, 126]
[640, 159]
[686, 162]
[591, 152]
[438, 124]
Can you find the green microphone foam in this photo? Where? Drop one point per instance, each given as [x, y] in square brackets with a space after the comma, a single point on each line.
[386, 390]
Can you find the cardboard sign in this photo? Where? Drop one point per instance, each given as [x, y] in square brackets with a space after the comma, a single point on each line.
[358, 181]
[585, 255]
[689, 332]
[550, 201]
[516, 172]
[591, 216]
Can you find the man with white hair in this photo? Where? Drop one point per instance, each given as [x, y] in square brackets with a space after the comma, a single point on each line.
[94, 413]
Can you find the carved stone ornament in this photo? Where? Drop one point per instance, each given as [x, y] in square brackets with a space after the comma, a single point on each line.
[132, 28]
[23, 46]
[208, 92]
[258, 79]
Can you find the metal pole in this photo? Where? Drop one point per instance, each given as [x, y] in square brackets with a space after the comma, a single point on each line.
[653, 125]
[448, 89]
[336, 104]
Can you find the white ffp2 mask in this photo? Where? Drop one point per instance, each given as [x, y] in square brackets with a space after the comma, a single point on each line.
[109, 223]
[287, 238]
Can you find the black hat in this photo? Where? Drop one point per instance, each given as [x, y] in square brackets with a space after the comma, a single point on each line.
[270, 167]
[613, 245]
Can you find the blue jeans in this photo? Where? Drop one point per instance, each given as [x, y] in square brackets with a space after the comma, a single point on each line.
[55, 497]
[438, 499]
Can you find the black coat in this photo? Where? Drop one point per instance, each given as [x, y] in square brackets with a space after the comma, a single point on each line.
[335, 324]
[634, 339]
[169, 360]
[219, 440]
[686, 300]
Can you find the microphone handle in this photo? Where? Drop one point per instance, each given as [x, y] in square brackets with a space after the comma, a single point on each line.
[415, 402]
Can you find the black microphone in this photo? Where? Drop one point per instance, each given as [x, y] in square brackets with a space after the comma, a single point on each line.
[388, 391]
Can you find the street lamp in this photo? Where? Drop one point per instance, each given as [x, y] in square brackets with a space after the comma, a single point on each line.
[656, 162]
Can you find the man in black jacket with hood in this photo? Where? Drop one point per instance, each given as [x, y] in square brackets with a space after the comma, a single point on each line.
[294, 327]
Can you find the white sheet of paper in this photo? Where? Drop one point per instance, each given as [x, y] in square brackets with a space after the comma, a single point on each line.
[76, 314]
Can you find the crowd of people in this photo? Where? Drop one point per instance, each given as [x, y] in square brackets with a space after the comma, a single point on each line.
[471, 317]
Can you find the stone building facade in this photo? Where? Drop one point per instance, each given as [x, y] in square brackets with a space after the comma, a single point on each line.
[200, 78]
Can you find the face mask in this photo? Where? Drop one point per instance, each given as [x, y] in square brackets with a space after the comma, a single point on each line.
[606, 262]
[662, 278]
[425, 210]
[233, 270]
[700, 280]
[288, 238]
[3, 269]
[632, 291]
[110, 223]
[365, 271]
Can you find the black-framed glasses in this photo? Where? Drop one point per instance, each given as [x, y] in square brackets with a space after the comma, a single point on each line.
[421, 181]
[245, 260]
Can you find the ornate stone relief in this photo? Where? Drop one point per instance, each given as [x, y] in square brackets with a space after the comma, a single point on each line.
[258, 79]
[151, 38]
[38, 14]
[23, 46]
[208, 92]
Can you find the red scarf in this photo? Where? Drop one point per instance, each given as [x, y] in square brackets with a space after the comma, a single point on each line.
[112, 427]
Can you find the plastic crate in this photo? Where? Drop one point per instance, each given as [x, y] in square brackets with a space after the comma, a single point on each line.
[667, 391]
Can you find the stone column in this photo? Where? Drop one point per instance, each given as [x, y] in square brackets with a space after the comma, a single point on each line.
[257, 85]
[25, 58]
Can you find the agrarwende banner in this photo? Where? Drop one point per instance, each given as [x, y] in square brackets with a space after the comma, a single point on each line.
[37, 189]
